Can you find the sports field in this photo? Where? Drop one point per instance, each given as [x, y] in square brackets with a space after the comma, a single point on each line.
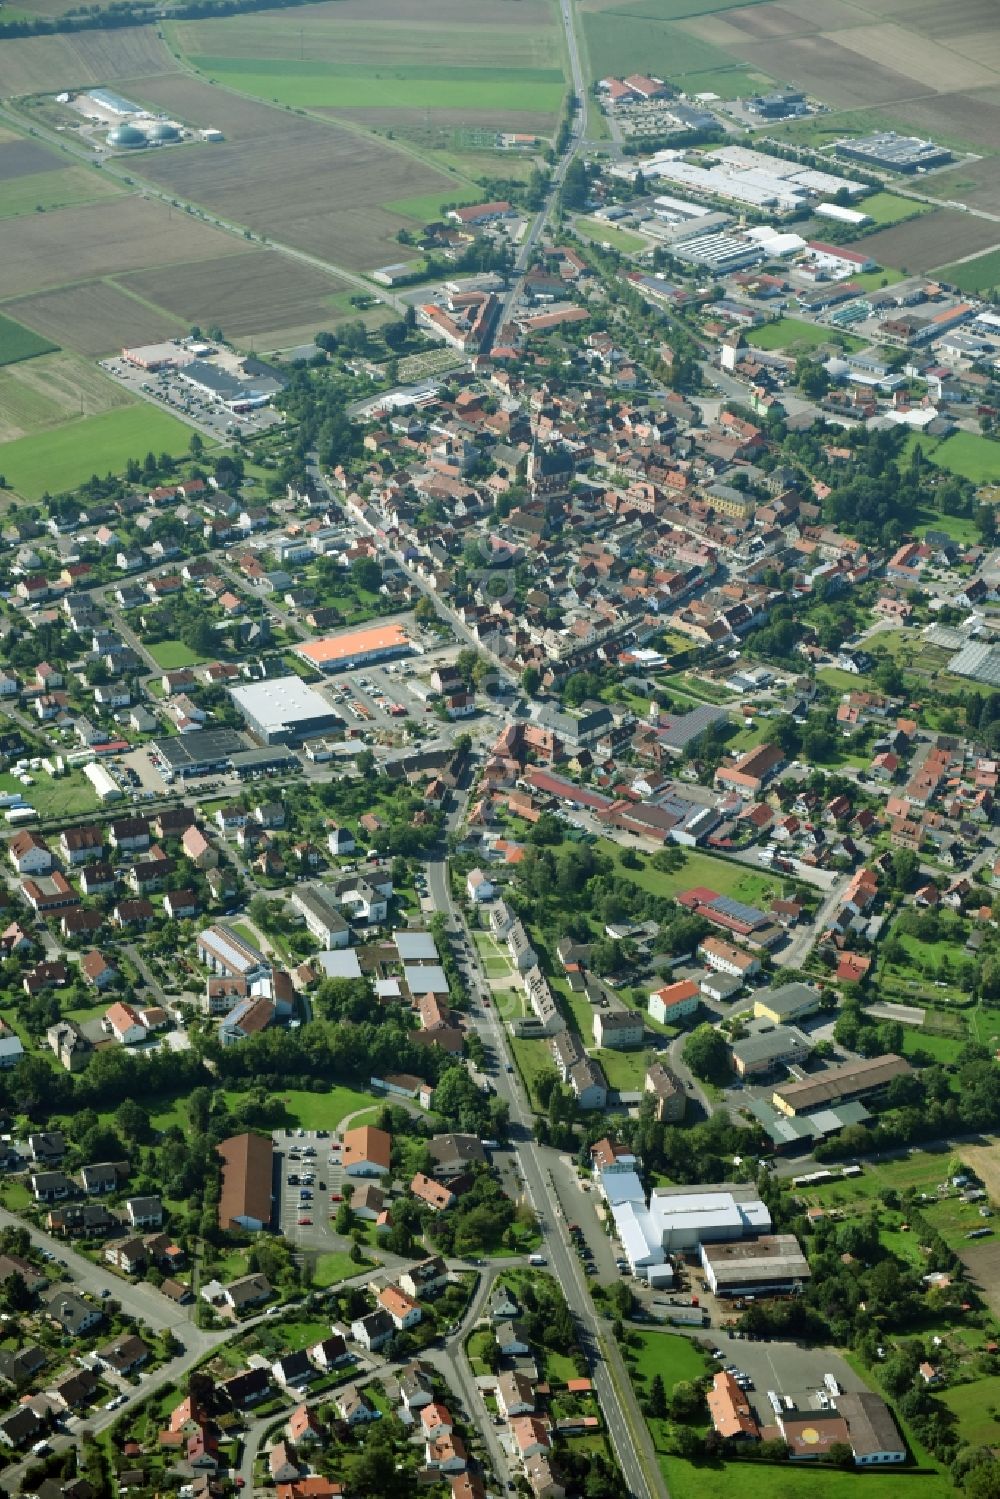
[63, 457]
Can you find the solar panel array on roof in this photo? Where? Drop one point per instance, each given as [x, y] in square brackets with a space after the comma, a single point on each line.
[726, 906]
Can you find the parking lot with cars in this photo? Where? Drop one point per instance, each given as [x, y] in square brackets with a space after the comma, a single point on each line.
[168, 389]
[782, 1368]
[309, 1187]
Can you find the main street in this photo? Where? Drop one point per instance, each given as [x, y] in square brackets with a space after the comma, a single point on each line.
[577, 126]
[625, 1423]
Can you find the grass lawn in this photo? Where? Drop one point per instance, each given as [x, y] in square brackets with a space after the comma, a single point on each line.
[875, 280]
[624, 1070]
[793, 333]
[942, 1048]
[698, 869]
[331, 1269]
[18, 342]
[974, 1407]
[476, 1347]
[673, 1357]
[232, 1265]
[15, 1196]
[324, 1110]
[62, 458]
[171, 655]
[980, 275]
[765, 1481]
[424, 207]
[58, 796]
[618, 239]
[886, 208]
[967, 454]
[728, 83]
[558, 1368]
[532, 1057]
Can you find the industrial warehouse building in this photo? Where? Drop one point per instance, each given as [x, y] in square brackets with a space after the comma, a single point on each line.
[895, 153]
[284, 710]
[686, 1217]
[764, 1266]
[840, 1084]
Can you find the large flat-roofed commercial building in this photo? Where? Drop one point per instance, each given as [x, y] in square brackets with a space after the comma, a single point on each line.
[895, 153]
[356, 648]
[839, 1084]
[689, 1216]
[199, 753]
[285, 710]
[761, 1266]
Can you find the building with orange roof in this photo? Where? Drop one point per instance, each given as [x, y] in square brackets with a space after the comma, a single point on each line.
[435, 1194]
[404, 1311]
[366, 1151]
[674, 1001]
[123, 1022]
[732, 1416]
[312, 1487]
[356, 647]
[531, 1436]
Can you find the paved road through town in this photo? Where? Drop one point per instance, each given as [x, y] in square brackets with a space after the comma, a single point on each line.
[626, 1428]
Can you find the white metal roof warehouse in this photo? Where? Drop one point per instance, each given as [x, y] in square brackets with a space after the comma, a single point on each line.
[284, 709]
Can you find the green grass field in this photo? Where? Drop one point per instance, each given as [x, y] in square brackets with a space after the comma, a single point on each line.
[679, 10]
[425, 207]
[981, 275]
[887, 208]
[64, 457]
[324, 1110]
[61, 796]
[618, 239]
[312, 85]
[171, 655]
[41, 192]
[18, 343]
[974, 1407]
[720, 875]
[969, 455]
[792, 333]
[618, 44]
[331, 1269]
[765, 1481]
[886, 275]
[671, 1355]
[735, 82]
[532, 1057]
